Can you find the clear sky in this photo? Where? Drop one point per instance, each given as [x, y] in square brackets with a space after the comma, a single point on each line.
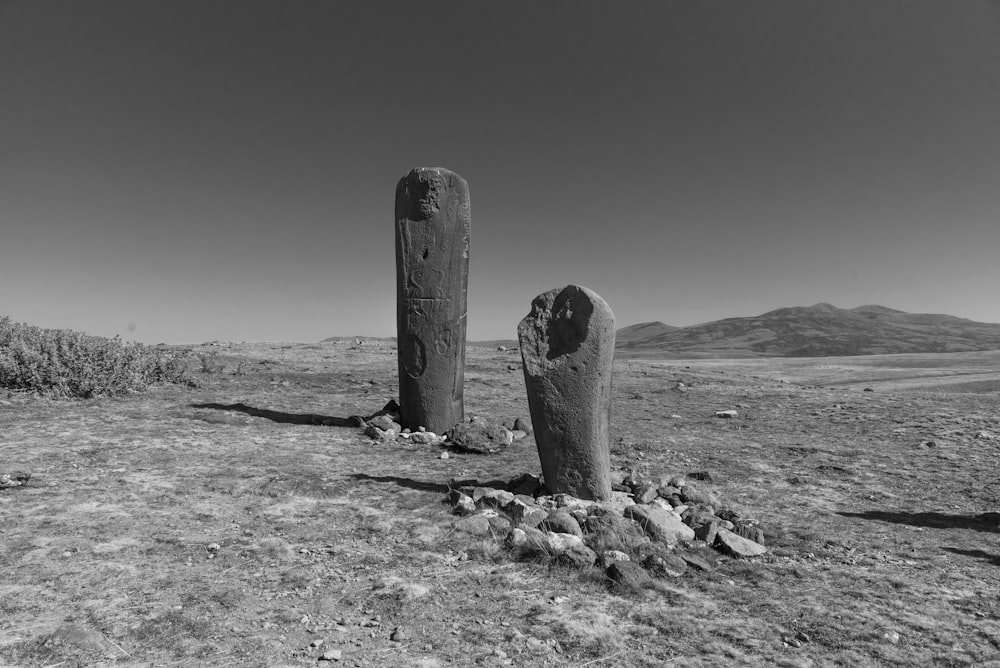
[190, 170]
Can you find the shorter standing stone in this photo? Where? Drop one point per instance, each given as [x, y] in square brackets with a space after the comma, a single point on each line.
[567, 346]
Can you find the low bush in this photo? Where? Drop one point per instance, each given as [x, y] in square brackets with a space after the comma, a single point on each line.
[64, 363]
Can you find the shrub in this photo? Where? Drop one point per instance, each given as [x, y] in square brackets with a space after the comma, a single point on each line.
[63, 363]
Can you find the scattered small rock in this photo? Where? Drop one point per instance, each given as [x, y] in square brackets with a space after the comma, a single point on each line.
[609, 557]
[561, 521]
[665, 565]
[627, 575]
[426, 438]
[476, 525]
[480, 437]
[701, 559]
[380, 434]
[462, 504]
[521, 424]
[644, 492]
[385, 423]
[659, 524]
[738, 546]
[578, 556]
[14, 479]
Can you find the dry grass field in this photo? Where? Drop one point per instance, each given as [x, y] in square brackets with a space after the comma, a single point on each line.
[153, 532]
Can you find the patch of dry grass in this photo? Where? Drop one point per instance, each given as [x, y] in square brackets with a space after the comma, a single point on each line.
[158, 533]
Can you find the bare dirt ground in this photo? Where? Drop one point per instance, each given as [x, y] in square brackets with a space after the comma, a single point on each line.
[156, 533]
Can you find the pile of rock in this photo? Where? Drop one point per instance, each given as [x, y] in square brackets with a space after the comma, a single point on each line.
[476, 435]
[14, 479]
[648, 528]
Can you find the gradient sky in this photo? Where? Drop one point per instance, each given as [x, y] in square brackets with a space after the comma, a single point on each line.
[184, 171]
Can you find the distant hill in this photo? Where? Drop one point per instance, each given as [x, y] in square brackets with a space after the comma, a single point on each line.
[820, 330]
[644, 330]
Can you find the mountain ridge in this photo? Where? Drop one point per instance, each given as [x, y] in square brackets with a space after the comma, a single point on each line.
[820, 330]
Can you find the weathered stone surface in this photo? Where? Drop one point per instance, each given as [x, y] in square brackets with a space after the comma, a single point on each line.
[730, 543]
[425, 438]
[750, 530]
[526, 514]
[560, 542]
[477, 525]
[644, 492]
[660, 524]
[627, 575]
[608, 530]
[665, 565]
[527, 537]
[490, 497]
[525, 484]
[609, 557]
[499, 525]
[384, 422]
[479, 437]
[696, 494]
[462, 504]
[380, 434]
[561, 522]
[702, 559]
[707, 532]
[567, 345]
[432, 275]
[578, 556]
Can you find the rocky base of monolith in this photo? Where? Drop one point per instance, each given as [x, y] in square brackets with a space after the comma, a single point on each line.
[567, 345]
[646, 529]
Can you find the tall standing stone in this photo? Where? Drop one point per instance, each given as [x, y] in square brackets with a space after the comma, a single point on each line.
[567, 345]
[432, 277]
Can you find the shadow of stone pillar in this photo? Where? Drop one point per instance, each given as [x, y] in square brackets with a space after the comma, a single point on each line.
[432, 277]
[567, 345]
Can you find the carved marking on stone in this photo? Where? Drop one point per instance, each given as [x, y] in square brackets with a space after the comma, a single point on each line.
[416, 357]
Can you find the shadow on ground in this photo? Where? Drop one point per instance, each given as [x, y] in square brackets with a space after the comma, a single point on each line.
[982, 522]
[301, 418]
[992, 559]
[409, 483]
